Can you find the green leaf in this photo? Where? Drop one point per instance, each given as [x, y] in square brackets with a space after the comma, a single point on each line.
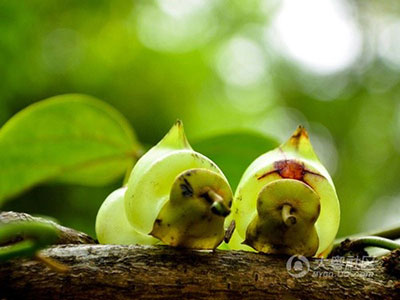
[36, 235]
[233, 152]
[69, 138]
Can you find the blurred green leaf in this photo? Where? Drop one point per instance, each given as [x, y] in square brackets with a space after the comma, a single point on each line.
[233, 152]
[35, 236]
[69, 138]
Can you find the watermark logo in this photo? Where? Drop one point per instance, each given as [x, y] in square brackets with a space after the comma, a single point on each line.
[339, 266]
[298, 266]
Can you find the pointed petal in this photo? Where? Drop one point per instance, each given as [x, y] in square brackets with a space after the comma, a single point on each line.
[300, 144]
[175, 138]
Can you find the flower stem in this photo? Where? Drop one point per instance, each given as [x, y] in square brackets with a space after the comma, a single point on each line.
[392, 233]
[357, 245]
[374, 241]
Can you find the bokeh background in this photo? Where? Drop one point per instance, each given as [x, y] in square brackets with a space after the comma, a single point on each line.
[331, 65]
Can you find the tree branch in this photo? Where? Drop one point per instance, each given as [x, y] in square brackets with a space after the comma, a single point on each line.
[126, 272]
[154, 272]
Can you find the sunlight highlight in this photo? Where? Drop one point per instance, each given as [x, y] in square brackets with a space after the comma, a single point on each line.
[319, 34]
[241, 62]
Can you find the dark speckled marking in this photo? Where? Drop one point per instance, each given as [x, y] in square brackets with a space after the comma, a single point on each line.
[187, 189]
[207, 197]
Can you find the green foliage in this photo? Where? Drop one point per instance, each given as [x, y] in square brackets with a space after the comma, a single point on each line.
[80, 140]
[234, 151]
[156, 61]
[70, 139]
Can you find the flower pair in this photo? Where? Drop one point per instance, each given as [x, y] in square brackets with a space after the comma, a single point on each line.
[285, 202]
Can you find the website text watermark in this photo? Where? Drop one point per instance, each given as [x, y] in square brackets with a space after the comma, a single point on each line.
[338, 266]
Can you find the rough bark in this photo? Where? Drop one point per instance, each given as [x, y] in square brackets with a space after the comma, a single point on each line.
[129, 272]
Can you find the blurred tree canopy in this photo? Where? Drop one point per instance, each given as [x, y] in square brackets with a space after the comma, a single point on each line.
[333, 66]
